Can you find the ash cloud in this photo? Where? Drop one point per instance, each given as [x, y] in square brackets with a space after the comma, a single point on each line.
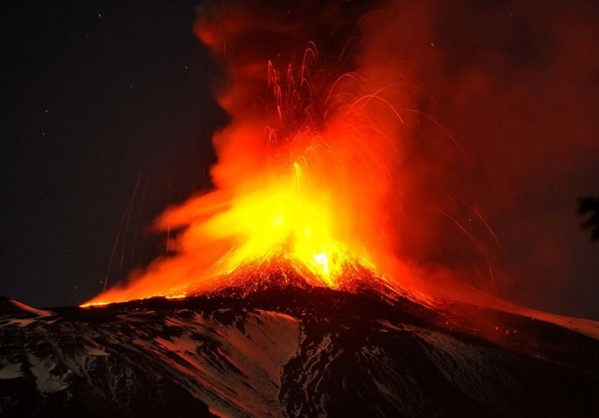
[504, 136]
[497, 135]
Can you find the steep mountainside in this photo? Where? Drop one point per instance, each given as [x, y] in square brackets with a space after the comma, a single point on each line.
[291, 352]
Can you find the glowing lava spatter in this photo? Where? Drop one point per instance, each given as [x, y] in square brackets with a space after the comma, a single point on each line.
[301, 182]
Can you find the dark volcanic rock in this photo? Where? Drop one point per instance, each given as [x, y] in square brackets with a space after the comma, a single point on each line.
[292, 352]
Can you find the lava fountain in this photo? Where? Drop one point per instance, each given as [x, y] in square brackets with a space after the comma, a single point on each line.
[303, 180]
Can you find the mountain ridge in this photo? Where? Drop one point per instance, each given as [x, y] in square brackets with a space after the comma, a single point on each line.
[290, 351]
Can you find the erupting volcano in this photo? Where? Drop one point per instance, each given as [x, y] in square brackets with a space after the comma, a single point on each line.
[314, 278]
[304, 181]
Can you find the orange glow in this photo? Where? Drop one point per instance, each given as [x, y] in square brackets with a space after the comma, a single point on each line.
[303, 182]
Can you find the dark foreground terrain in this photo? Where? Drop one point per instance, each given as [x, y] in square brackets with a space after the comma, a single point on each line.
[292, 352]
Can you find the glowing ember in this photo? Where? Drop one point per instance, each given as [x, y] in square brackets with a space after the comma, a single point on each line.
[301, 184]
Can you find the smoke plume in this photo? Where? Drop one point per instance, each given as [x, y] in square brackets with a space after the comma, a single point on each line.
[472, 133]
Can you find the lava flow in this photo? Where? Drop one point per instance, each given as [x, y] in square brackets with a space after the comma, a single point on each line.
[302, 181]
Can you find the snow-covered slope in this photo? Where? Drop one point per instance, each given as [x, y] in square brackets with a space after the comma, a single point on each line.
[291, 352]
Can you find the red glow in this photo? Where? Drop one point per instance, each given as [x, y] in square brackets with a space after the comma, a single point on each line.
[302, 179]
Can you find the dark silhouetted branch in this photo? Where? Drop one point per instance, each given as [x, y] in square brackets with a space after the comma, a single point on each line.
[590, 205]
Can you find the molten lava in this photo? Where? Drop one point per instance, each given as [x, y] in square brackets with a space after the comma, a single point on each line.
[302, 183]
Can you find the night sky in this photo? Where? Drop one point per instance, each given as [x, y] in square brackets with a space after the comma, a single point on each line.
[109, 113]
[109, 119]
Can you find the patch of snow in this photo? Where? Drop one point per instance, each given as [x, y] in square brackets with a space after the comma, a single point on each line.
[22, 323]
[39, 312]
[178, 345]
[46, 382]
[387, 325]
[234, 370]
[95, 351]
[11, 371]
